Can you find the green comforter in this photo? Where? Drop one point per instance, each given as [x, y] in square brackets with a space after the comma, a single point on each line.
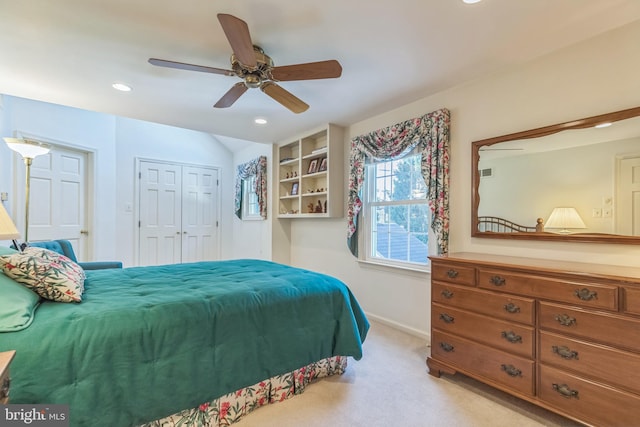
[147, 342]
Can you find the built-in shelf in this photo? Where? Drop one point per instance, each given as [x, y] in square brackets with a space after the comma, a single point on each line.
[310, 175]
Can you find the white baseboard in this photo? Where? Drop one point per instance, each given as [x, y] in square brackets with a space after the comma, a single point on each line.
[399, 326]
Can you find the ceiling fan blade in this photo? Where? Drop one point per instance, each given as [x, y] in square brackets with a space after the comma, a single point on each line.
[309, 71]
[284, 97]
[191, 67]
[237, 33]
[231, 96]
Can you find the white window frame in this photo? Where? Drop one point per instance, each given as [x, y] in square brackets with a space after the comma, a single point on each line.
[249, 199]
[368, 205]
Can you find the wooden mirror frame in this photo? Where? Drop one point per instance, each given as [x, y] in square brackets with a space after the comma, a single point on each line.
[535, 133]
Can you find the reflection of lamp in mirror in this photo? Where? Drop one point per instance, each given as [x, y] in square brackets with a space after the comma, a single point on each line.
[564, 218]
[29, 150]
[8, 230]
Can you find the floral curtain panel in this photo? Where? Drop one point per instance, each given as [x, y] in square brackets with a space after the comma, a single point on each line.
[428, 134]
[257, 167]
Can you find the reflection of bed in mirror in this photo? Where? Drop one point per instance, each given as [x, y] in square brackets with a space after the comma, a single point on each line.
[493, 224]
[521, 177]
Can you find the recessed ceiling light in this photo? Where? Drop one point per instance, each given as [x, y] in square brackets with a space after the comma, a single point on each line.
[603, 125]
[471, 1]
[260, 121]
[121, 87]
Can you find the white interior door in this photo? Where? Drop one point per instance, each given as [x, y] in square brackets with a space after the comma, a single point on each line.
[628, 197]
[178, 207]
[160, 208]
[57, 205]
[199, 214]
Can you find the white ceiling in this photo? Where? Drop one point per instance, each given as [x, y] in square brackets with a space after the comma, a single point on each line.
[69, 52]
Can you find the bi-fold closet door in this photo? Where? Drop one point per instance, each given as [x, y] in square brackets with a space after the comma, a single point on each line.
[178, 213]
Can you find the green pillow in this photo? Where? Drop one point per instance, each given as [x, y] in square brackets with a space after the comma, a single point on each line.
[17, 303]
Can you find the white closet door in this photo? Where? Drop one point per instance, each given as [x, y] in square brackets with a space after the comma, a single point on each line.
[160, 210]
[199, 214]
[178, 208]
[58, 198]
[628, 197]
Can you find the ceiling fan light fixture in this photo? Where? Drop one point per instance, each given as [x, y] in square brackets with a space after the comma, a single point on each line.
[260, 121]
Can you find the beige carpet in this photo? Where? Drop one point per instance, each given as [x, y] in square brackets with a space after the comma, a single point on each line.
[390, 387]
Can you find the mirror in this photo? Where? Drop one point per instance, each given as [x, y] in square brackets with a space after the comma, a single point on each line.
[520, 179]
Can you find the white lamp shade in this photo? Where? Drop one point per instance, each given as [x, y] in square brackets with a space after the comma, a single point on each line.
[564, 218]
[27, 148]
[8, 230]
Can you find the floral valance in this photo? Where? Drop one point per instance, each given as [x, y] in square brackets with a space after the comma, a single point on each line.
[428, 134]
[257, 167]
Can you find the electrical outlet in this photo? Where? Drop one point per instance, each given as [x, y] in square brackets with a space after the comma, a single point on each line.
[4, 196]
[596, 213]
[606, 213]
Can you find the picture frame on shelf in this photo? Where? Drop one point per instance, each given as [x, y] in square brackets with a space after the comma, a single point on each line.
[294, 189]
[313, 166]
[323, 165]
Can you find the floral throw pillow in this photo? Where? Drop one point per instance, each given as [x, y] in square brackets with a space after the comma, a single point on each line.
[51, 275]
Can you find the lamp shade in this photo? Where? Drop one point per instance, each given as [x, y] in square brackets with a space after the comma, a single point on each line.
[27, 148]
[564, 218]
[8, 230]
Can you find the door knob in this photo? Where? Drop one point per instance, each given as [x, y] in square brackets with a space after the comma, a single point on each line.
[86, 232]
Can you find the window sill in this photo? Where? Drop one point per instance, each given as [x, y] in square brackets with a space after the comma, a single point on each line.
[414, 271]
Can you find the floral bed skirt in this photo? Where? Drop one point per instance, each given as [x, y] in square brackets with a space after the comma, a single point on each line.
[231, 407]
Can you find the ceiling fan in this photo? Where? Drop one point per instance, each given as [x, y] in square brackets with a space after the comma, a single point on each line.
[256, 69]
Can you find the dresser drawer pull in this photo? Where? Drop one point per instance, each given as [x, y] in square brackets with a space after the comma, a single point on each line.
[4, 389]
[447, 294]
[585, 294]
[446, 318]
[511, 370]
[511, 308]
[446, 347]
[452, 274]
[565, 391]
[564, 352]
[565, 320]
[511, 336]
[497, 281]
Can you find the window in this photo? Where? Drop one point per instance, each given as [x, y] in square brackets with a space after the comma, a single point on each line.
[396, 212]
[250, 206]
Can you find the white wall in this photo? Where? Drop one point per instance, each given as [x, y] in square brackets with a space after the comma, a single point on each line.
[252, 238]
[117, 143]
[591, 78]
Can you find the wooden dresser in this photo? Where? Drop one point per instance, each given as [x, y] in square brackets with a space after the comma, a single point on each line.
[562, 335]
[5, 360]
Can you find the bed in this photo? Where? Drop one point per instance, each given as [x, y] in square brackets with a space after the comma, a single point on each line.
[164, 345]
[501, 225]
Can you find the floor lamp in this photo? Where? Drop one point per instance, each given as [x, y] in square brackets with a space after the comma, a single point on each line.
[29, 150]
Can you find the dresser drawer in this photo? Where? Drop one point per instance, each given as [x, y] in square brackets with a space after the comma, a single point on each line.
[505, 306]
[453, 273]
[495, 333]
[514, 372]
[606, 328]
[587, 400]
[596, 361]
[586, 294]
[632, 300]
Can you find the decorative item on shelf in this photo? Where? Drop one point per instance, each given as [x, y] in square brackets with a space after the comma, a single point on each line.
[325, 206]
[313, 166]
[295, 174]
[287, 175]
[564, 218]
[286, 159]
[310, 208]
[294, 189]
[309, 190]
[29, 150]
[319, 207]
[323, 165]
